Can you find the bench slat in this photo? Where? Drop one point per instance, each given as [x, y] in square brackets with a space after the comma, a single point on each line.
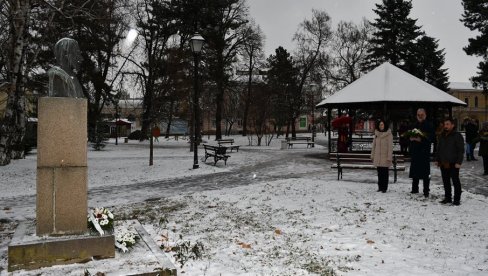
[361, 161]
[361, 166]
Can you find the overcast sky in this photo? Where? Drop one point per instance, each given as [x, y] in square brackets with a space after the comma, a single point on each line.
[279, 20]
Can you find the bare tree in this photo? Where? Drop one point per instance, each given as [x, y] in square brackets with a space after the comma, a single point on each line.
[156, 28]
[231, 113]
[312, 38]
[31, 35]
[253, 56]
[260, 114]
[12, 127]
[223, 29]
[347, 53]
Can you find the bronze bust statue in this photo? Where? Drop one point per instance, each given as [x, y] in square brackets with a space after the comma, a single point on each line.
[62, 78]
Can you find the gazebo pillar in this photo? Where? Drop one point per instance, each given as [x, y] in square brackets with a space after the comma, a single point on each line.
[329, 115]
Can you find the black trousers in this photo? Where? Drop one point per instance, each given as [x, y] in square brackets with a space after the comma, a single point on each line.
[382, 178]
[447, 175]
[471, 150]
[485, 164]
[415, 185]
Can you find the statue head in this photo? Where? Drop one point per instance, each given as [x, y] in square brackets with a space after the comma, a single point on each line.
[68, 55]
[62, 78]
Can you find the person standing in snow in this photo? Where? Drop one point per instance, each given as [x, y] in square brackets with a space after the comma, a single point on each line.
[483, 151]
[420, 153]
[382, 153]
[471, 133]
[449, 158]
[403, 140]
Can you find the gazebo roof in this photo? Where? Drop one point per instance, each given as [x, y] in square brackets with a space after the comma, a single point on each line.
[388, 83]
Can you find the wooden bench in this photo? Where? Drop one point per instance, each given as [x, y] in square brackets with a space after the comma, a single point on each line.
[228, 141]
[362, 161]
[305, 140]
[217, 152]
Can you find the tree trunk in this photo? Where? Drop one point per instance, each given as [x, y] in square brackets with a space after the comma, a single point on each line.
[229, 128]
[219, 98]
[170, 118]
[248, 99]
[12, 128]
[147, 113]
[293, 130]
[218, 113]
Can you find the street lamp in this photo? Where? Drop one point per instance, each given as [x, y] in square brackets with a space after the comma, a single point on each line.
[196, 43]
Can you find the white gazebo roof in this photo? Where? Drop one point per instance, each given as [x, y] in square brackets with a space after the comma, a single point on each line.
[388, 83]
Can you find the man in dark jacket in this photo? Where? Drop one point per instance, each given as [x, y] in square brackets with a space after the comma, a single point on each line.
[420, 153]
[449, 158]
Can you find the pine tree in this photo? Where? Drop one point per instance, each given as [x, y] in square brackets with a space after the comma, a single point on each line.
[282, 79]
[429, 61]
[395, 35]
[475, 17]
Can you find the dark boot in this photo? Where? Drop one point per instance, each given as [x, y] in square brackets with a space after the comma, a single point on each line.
[426, 182]
[445, 201]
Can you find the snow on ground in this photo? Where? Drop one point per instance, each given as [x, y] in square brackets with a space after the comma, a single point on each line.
[306, 223]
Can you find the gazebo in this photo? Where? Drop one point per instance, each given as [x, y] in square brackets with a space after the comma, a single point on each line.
[389, 92]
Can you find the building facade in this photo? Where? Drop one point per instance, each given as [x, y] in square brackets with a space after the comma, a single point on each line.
[475, 98]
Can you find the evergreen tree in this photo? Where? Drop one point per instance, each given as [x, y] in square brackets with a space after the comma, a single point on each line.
[429, 61]
[394, 39]
[282, 80]
[475, 17]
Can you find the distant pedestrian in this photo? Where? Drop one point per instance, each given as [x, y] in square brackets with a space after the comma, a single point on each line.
[471, 133]
[483, 151]
[449, 158]
[420, 153]
[403, 140]
[382, 153]
[342, 140]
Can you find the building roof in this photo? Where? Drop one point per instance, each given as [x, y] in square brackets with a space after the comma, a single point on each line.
[462, 86]
[388, 83]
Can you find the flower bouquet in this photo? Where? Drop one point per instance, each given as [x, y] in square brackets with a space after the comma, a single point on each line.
[101, 220]
[125, 239]
[414, 133]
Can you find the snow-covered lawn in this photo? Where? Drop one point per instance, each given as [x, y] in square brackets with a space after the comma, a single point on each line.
[305, 224]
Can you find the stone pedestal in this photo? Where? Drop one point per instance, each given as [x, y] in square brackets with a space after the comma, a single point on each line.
[37, 254]
[28, 251]
[61, 166]
[60, 235]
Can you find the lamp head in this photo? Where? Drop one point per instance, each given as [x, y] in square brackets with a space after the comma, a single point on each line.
[196, 43]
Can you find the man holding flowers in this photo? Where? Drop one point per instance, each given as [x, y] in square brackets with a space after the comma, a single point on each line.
[420, 143]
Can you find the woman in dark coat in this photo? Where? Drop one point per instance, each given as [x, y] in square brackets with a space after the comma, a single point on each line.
[420, 153]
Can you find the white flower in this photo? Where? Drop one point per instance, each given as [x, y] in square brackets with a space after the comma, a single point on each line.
[104, 216]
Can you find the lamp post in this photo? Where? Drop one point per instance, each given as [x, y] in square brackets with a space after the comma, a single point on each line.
[196, 43]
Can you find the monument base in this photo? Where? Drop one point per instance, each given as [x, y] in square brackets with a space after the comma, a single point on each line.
[145, 258]
[28, 251]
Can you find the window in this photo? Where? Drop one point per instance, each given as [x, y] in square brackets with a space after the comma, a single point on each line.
[303, 122]
[466, 100]
[476, 101]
